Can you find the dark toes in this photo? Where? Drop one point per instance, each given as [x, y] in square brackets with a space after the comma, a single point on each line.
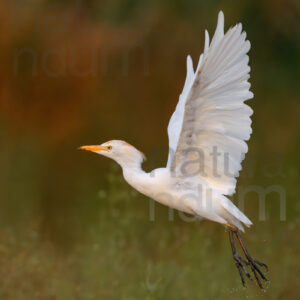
[261, 264]
[240, 264]
[255, 269]
[260, 272]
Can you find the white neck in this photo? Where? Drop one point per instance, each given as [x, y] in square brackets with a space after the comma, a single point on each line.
[136, 177]
[134, 164]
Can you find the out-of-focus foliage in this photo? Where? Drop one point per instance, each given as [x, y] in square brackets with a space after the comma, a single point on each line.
[82, 72]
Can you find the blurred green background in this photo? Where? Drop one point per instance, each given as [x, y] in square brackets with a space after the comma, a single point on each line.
[83, 72]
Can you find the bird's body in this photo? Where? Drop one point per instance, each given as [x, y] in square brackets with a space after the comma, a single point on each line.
[207, 134]
[160, 186]
[187, 196]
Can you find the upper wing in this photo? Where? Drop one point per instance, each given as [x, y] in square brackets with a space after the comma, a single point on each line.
[208, 129]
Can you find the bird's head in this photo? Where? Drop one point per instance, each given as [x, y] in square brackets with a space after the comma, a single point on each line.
[123, 153]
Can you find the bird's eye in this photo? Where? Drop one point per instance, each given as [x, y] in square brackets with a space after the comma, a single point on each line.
[109, 147]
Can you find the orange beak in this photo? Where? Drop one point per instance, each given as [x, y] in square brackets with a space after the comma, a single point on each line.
[93, 148]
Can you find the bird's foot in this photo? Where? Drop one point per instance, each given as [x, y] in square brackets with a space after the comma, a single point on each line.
[242, 263]
[257, 272]
[241, 266]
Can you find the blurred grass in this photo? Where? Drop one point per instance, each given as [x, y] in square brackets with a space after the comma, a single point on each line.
[123, 255]
[70, 227]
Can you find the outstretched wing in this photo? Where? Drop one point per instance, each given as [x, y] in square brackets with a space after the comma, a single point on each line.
[208, 130]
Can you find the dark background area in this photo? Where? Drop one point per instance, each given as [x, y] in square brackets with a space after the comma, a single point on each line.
[83, 72]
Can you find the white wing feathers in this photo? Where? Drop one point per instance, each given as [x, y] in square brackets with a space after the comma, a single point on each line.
[211, 115]
[175, 124]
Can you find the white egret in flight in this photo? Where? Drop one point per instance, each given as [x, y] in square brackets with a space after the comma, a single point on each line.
[207, 134]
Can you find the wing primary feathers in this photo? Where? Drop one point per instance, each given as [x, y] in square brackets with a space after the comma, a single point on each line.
[211, 111]
[206, 43]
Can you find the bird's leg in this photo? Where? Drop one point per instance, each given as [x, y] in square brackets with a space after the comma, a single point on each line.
[240, 262]
[252, 262]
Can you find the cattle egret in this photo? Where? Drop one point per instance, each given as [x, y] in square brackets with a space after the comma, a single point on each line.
[207, 134]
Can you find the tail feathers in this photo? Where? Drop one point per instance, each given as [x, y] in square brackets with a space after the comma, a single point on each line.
[234, 215]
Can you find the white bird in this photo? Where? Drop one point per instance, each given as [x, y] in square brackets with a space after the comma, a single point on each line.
[207, 134]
